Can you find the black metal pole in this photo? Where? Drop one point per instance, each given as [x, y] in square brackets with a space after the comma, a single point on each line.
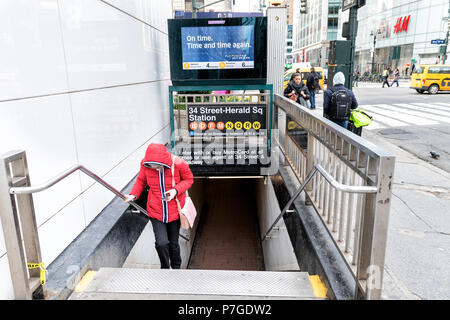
[353, 25]
[374, 52]
[194, 9]
[448, 33]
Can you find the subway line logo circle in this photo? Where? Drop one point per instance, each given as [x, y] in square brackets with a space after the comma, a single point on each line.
[238, 125]
[220, 125]
[229, 125]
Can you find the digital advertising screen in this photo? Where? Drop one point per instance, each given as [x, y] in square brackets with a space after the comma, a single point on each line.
[225, 51]
[220, 47]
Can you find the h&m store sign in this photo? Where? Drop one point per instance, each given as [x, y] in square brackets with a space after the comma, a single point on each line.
[402, 24]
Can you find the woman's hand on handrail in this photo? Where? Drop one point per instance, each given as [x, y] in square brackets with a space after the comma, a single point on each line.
[129, 197]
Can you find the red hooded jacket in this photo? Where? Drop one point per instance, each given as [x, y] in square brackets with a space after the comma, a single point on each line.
[160, 182]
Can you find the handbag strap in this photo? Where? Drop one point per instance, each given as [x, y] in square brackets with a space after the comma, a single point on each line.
[173, 183]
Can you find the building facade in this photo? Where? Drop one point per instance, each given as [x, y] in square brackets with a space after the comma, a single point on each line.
[225, 6]
[313, 31]
[401, 31]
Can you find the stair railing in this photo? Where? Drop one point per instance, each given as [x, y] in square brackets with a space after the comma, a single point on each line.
[19, 221]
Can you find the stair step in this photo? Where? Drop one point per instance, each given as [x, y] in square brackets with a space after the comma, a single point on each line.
[134, 283]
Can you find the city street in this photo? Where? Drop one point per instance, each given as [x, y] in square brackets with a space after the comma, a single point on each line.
[417, 123]
[411, 125]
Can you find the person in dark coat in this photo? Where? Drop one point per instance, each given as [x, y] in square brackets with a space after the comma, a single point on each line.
[296, 90]
[386, 74]
[312, 82]
[155, 171]
[338, 82]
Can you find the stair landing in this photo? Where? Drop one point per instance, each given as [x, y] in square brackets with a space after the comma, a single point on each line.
[188, 284]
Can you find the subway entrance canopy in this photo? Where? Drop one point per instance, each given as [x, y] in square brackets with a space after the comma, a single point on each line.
[220, 101]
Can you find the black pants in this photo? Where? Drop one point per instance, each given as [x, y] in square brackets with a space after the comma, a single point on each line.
[166, 244]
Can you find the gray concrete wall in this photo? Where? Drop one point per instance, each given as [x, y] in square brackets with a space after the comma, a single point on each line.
[278, 251]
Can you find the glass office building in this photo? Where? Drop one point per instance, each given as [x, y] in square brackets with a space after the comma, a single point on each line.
[401, 31]
[314, 30]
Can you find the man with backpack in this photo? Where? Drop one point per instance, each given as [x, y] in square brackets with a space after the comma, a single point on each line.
[312, 82]
[338, 102]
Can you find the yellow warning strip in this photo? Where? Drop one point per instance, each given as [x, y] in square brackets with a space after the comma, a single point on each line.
[84, 282]
[319, 289]
[43, 271]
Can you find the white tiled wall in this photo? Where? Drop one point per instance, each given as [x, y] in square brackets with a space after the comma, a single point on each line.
[81, 82]
[32, 54]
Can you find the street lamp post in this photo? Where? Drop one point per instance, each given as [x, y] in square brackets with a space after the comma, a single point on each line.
[353, 29]
[374, 34]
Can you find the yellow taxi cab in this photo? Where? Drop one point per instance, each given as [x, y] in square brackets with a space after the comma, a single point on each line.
[305, 73]
[431, 78]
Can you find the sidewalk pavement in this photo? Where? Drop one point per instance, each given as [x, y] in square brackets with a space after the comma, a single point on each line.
[417, 264]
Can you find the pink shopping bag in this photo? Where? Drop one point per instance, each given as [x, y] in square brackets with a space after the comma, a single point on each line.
[188, 212]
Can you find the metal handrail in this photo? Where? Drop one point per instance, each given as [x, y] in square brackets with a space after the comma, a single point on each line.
[65, 174]
[329, 178]
[359, 230]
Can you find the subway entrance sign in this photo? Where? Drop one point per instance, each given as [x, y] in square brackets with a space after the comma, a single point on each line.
[219, 133]
[242, 121]
[227, 119]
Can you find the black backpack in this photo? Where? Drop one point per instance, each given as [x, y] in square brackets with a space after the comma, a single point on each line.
[340, 105]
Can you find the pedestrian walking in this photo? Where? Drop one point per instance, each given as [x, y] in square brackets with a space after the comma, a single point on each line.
[385, 77]
[155, 171]
[356, 76]
[338, 102]
[296, 90]
[396, 77]
[312, 82]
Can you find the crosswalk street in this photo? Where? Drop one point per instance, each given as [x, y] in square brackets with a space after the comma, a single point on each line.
[407, 114]
[402, 83]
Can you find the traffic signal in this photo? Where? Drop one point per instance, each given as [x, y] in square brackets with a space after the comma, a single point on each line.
[346, 30]
[303, 5]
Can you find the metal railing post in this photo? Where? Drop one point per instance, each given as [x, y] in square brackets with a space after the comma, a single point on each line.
[19, 223]
[309, 166]
[374, 229]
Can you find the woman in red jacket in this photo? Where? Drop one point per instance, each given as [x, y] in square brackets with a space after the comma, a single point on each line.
[155, 171]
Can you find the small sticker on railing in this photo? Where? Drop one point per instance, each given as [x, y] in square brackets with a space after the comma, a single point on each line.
[43, 271]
